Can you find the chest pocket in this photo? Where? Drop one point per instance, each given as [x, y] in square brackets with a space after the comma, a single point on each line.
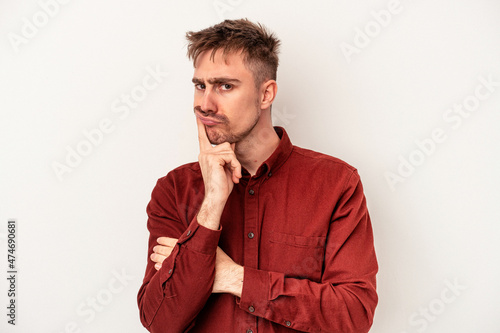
[296, 256]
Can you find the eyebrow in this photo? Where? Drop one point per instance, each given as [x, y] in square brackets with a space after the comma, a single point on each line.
[216, 80]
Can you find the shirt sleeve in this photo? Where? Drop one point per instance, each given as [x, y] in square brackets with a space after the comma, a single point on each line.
[172, 296]
[345, 298]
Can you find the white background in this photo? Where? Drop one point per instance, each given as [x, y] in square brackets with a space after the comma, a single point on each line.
[437, 228]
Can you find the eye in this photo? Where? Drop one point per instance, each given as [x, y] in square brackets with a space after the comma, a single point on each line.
[226, 86]
[199, 86]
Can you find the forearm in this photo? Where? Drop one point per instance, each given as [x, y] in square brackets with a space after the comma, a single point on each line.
[310, 306]
[229, 280]
[177, 292]
[211, 212]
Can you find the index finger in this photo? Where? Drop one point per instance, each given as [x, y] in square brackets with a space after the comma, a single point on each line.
[202, 136]
[167, 241]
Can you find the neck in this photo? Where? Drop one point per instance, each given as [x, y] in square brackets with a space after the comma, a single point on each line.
[257, 147]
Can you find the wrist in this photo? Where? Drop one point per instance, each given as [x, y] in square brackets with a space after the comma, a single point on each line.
[210, 213]
[234, 283]
[238, 284]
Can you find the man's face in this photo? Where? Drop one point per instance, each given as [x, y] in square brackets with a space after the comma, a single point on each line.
[225, 99]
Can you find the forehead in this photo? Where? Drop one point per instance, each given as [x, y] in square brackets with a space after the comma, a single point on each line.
[230, 65]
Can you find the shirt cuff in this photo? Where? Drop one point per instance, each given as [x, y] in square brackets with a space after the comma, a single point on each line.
[200, 239]
[256, 293]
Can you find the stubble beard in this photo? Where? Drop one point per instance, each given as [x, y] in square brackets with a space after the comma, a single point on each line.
[217, 136]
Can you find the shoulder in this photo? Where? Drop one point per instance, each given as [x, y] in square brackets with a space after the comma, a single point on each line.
[324, 177]
[193, 167]
[322, 170]
[186, 172]
[313, 160]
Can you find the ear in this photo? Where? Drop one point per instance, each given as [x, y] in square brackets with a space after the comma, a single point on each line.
[269, 89]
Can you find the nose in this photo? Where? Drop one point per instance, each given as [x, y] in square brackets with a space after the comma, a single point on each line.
[208, 103]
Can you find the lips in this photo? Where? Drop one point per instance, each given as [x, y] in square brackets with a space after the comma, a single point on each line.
[207, 121]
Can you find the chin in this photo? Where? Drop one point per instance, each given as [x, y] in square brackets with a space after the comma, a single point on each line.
[216, 137]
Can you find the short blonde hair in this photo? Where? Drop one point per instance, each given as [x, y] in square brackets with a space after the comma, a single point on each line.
[259, 47]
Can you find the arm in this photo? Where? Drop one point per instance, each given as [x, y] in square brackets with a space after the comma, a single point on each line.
[170, 297]
[173, 296]
[228, 274]
[345, 298]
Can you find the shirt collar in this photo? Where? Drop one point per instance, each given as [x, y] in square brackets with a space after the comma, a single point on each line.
[277, 158]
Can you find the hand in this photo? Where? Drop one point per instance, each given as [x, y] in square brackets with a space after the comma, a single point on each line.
[228, 274]
[162, 250]
[219, 167]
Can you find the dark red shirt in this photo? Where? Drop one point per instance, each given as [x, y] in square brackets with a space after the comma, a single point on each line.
[300, 228]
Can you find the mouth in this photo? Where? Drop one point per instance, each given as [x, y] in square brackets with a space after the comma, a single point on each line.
[207, 121]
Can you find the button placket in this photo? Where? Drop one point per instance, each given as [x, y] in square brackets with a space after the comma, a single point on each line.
[251, 250]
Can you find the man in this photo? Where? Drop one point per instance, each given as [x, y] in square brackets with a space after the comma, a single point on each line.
[258, 235]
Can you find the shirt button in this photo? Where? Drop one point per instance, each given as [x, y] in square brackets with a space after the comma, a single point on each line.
[249, 331]
[251, 235]
[251, 308]
[252, 192]
[287, 323]
[170, 271]
[188, 233]
[269, 174]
